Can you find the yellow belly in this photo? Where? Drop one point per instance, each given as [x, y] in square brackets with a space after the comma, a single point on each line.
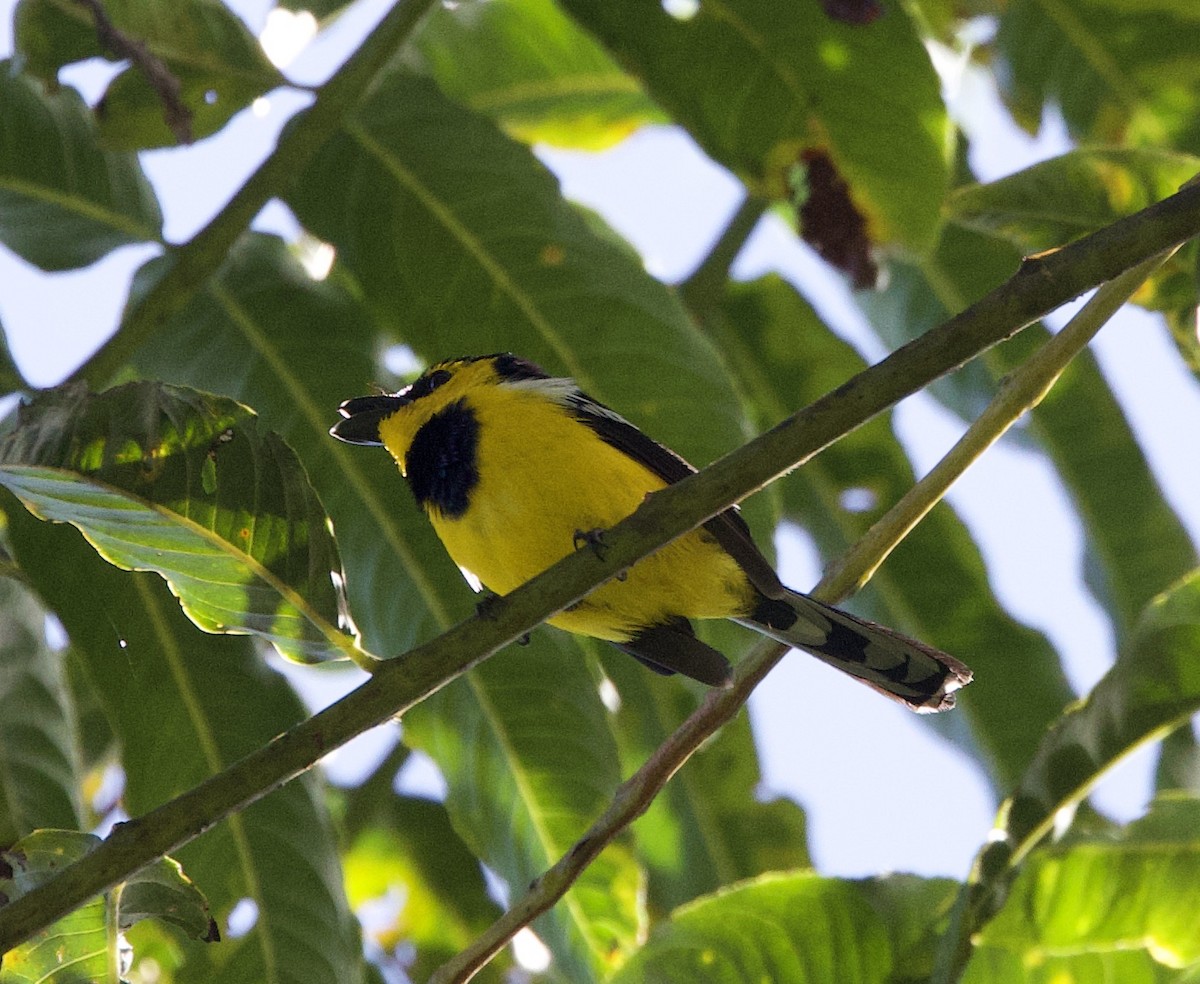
[541, 484]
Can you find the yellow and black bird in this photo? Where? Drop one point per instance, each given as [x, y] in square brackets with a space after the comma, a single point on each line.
[516, 469]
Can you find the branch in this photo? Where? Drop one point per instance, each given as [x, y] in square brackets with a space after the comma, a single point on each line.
[196, 261]
[162, 80]
[1024, 389]
[1040, 285]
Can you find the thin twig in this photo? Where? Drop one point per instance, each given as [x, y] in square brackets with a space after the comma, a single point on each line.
[162, 80]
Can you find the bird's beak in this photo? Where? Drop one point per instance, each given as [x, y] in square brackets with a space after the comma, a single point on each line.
[363, 416]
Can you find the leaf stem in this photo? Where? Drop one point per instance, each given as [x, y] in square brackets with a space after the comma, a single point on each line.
[196, 261]
[1041, 285]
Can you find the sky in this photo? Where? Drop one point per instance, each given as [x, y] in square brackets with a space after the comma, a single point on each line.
[660, 191]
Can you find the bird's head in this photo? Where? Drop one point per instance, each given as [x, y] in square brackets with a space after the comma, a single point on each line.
[392, 419]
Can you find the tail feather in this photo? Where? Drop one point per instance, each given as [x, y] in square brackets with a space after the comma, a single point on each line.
[917, 675]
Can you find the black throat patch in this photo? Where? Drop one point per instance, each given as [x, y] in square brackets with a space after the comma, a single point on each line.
[442, 462]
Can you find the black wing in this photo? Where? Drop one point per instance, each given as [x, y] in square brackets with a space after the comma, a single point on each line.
[728, 527]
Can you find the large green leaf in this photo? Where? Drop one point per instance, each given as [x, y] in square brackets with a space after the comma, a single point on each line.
[218, 64]
[65, 202]
[758, 82]
[794, 929]
[461, 242]
[301, 347]
[1119, 71]
[786, 358]
[1101, 898]
[178, 482]
[38, 769]
[1136, 544]
[185, 705]
[532, 70]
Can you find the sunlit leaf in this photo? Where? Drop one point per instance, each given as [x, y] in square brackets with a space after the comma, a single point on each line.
[184, 484]
[532, 70]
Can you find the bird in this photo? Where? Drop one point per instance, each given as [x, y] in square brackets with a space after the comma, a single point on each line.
[516, 469]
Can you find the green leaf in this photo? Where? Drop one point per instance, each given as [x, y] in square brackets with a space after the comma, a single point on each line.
[65, 202]
[787, 357]
[181, 483]
[217, 62]
[460, 239]
[527, 751]
[1120, 72]
[792, 929]
[302, 347]
[162, 891]
[757, 82]
[1152, 688]
[1052, 202]
[532, 70]
[78, 947]
[38, 767]
[185, 705]
[1097, 896]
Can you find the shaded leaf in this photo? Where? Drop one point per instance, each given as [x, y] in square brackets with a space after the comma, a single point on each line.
[162, 891]
[1052, 202]
[218, 63]
[758, 82]
[174, 481]
[1120, 72]
[185, 705]
[531, 69]
[528, 754]
[265, 332]
[38, 767]
[786, 358]
[859, 12]
[462, 243]
[65, 202]
[76, 947]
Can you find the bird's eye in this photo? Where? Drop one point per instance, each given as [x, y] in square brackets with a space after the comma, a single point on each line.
[427, 384]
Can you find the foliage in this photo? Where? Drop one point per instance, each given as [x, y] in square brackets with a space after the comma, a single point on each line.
[178, 509]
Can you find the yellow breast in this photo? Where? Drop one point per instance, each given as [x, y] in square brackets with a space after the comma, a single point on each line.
[543, 477]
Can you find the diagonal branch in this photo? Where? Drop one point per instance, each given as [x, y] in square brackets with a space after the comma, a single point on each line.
[1041, 285]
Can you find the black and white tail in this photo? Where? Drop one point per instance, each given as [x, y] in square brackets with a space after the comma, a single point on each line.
[917, 675]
